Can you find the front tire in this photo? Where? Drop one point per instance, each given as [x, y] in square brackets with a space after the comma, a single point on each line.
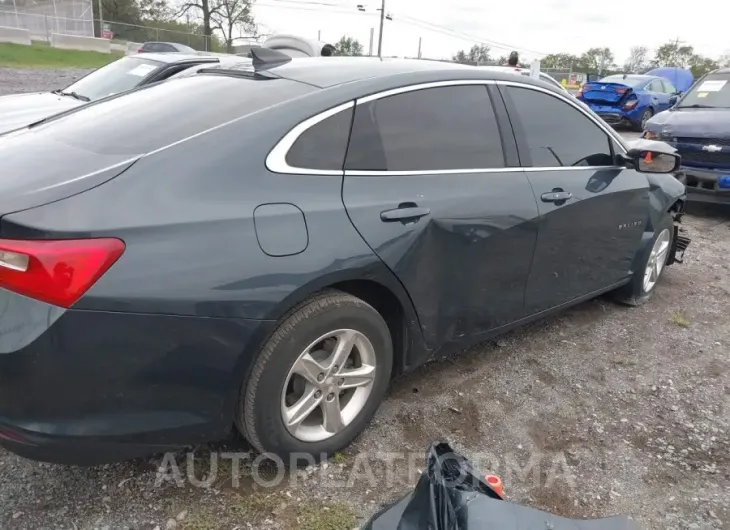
[319, 379]
[653, 262]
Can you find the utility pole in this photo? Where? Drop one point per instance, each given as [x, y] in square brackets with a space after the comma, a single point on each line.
[372, 37]
[319, 34]
[420, 39]
[382, 25]
[101, 19]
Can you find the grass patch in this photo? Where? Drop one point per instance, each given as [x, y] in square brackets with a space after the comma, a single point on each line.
[339, 458]
[326, 516]
[256, 506]
[41, 55]
[679, 319]
[204, 519]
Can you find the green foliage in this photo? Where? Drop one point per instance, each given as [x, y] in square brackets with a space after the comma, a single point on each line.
[349, 46]
[565, 61]
[478, 54]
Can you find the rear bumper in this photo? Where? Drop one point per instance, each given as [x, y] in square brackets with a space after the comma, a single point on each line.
[702, 185]
[616, 115]
[97, 387]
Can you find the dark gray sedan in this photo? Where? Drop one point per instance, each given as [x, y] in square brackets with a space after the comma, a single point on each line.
[265, 246]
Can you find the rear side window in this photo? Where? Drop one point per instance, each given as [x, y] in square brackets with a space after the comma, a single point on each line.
[160, 114]
[558, 134]
[426, 130]
[668, 87]
[655, 86]
[322, 146]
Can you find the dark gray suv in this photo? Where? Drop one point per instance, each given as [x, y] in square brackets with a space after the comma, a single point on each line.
[266, 245]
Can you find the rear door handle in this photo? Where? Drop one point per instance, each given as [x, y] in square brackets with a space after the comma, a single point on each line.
[556, 196]
[405, 212]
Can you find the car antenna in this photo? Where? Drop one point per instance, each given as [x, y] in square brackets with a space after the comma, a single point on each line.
[266, 58]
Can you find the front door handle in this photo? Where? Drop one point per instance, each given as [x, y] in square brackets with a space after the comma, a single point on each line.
[405, 212]
[556, 196]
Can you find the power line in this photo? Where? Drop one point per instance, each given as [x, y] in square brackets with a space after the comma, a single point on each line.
[489, 42]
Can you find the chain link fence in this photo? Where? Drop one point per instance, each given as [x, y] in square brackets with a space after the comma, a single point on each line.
[76, 17]
[43, 17]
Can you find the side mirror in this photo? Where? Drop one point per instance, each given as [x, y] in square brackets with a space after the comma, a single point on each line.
[653, 161]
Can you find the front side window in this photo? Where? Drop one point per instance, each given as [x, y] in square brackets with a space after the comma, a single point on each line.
[444, 128]
[668, 87]
[558, 134]
[119, 76]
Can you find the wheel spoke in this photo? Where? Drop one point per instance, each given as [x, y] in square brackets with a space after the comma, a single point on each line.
[345, 343]
[297, 413]
[333, 421]
[356, 377]
[308, 368]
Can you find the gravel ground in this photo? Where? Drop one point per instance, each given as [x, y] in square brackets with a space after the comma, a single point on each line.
[601, 410]
[17, 80]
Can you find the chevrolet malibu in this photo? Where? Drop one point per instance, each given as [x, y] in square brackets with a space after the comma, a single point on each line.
[262, 247]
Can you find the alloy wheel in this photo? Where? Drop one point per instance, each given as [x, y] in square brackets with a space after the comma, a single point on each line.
[328, 385]
[657, 259]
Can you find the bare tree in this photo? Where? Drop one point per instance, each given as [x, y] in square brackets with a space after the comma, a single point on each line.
[638, 60]
[229, 14]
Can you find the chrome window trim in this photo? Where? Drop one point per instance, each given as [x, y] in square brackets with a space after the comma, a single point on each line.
[276, 160]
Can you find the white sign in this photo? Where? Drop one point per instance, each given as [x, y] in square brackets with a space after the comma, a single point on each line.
[711, 86]
[142, 70]
[535, 69]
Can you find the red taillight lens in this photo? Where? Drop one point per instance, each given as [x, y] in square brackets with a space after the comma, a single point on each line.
[56, 271]
[621, 90]
[139, 51]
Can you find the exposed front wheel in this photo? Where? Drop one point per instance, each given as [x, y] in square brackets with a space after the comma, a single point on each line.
[319, 379]
[645, 278]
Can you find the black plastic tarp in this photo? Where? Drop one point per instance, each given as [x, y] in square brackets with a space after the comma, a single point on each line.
[452, 495]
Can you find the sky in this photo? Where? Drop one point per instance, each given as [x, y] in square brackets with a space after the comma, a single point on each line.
[532, 27]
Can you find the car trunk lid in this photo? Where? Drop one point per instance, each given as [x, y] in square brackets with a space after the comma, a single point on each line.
[605, 93]
[34, 173]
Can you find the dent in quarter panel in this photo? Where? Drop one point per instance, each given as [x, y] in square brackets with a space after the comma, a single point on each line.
[281, 229]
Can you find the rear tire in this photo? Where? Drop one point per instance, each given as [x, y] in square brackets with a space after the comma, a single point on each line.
[645, 116]
[642, 285]
[276, 395]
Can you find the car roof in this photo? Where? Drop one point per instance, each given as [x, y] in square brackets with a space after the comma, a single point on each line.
[330, 71]
[173, 57]
[635, 76]
[721, 71]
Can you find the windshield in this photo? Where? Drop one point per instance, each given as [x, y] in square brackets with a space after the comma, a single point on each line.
[119, 76]
[629, 80]
[712, 92]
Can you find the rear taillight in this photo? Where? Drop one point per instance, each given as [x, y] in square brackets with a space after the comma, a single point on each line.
[58, 272]
[621, 91]
[140, 50]
[631, 103]
[580, 92]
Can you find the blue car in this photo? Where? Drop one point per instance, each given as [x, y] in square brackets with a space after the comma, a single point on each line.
[628, 99]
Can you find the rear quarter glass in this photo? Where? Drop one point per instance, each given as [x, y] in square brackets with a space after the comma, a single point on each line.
[158, 115]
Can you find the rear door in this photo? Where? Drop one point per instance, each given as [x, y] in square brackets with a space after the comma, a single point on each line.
[592, 212]
[427, 185]
[659, 97]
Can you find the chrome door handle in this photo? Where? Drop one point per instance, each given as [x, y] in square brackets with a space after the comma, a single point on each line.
[556, 196]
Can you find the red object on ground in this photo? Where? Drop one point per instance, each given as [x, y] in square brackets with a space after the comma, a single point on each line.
[496, 484]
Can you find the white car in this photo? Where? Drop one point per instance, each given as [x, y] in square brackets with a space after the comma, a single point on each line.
[526, 72]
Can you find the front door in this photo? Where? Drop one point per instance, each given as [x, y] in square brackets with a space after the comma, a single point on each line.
[592, 212]
[427, 188]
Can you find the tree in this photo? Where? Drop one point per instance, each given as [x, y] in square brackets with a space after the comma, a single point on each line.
[204, 8]
[597, 60]
[229, 14]
[638, 60]
[724, 61]
[349, 46]
[672, 54]
[565, 61]
[154, 10]
[701, 65]
[478, 54]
